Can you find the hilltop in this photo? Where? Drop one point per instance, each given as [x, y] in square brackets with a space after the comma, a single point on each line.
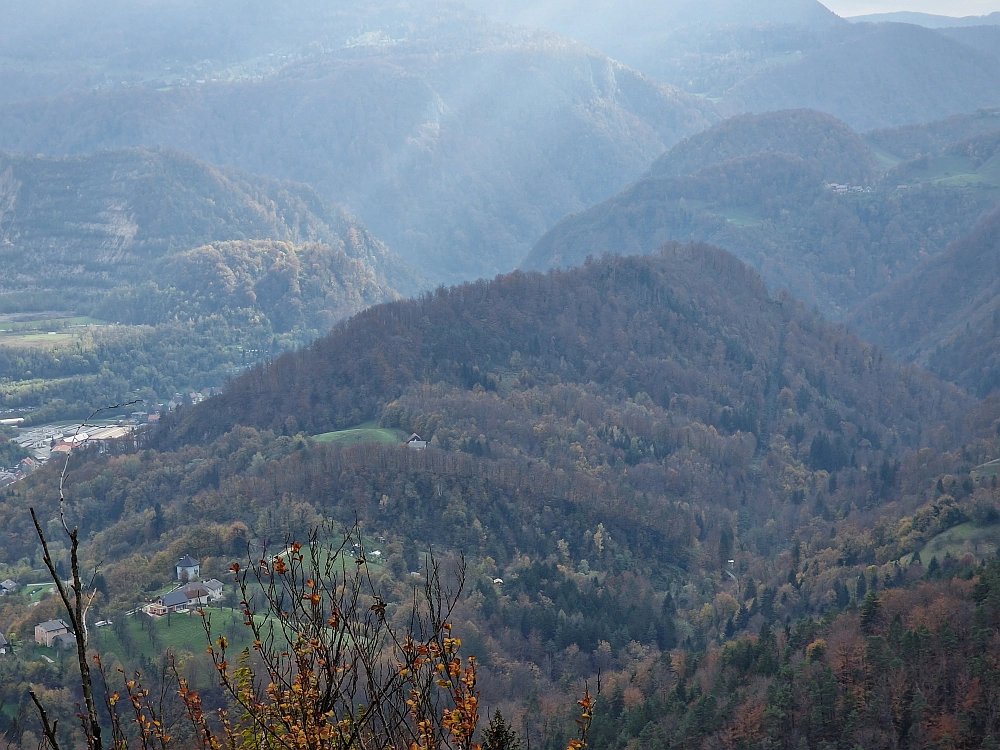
[876, 75]
[771, 200]
[91, 222]
[824, 141]
[147, 273]
[929, 20]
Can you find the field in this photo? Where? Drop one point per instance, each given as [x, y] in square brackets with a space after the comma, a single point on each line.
[988, 469]
[957, 171]
[741, 218]
[981, 541]
[150, 637]
[38, 331]
[369, 432]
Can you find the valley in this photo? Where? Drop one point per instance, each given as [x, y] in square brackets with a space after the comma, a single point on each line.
[498, 375]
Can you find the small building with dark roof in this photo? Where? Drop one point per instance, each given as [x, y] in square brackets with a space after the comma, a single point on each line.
[188, 568]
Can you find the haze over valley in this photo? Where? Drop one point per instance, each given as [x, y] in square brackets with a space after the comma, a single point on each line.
[648, 353]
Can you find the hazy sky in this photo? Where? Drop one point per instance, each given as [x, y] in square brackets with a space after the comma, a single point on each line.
[941, 7]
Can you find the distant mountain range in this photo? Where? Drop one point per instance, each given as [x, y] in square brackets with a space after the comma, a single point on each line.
[459, 142]
[876, 76]
[928, 20]
[797, 194]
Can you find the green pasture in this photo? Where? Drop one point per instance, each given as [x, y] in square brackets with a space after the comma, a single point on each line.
[886, 159]
[369, 432]
[35, 591]
[981, 541]
[958, 171]
[150, 637]
[988, 469]
[741, 218]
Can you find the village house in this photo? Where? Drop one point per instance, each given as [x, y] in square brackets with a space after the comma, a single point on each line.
[168, 603]
[47, 632]
[416, 442]
[188, 569]
[8, 587]
[214, 587]
[5, 647]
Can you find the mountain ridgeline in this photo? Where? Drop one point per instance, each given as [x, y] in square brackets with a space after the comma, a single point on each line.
[798, 195]
[691, 327]
[92, 222]
[458, 161]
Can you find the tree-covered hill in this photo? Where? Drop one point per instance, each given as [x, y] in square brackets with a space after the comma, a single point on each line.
[772, 204]
[458, 152]
[876, 75]
[946, 314]
[655, 469]
[834, 148]
[146, 273]
[92, 222]
[934, 138]
[690, 327]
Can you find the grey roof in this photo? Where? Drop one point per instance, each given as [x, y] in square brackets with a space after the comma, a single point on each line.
[10, 584]
[65, 640]
[53, 625]
[174, 599]
[187, 562]
[3, 640]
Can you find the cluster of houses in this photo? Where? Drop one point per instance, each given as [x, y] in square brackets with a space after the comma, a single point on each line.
[844, 189]
[192, 593]
[16, 474]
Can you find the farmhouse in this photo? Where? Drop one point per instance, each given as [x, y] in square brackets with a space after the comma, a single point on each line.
[168, 603]
[47, 632]
[416, 442]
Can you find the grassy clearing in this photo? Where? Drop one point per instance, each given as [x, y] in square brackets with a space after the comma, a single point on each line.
[988, 469]
[369, 432]
[35, 591]
[741, 218]
[887, 160]
[149, 637]
[981, 541]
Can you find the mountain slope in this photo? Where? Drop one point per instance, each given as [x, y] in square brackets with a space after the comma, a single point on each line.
[946, 315]
[95, 221]
[877, 75]
[697, 311]
[459, 157]
[933, 138]
[775, 210]
[836, 150]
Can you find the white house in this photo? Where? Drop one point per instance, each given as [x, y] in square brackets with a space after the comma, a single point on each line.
[188, 568]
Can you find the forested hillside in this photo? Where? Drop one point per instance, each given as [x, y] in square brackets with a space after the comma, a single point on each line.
[769, 199]
[946, 315]
[88, 223]
[656, 469]
[110, 291]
